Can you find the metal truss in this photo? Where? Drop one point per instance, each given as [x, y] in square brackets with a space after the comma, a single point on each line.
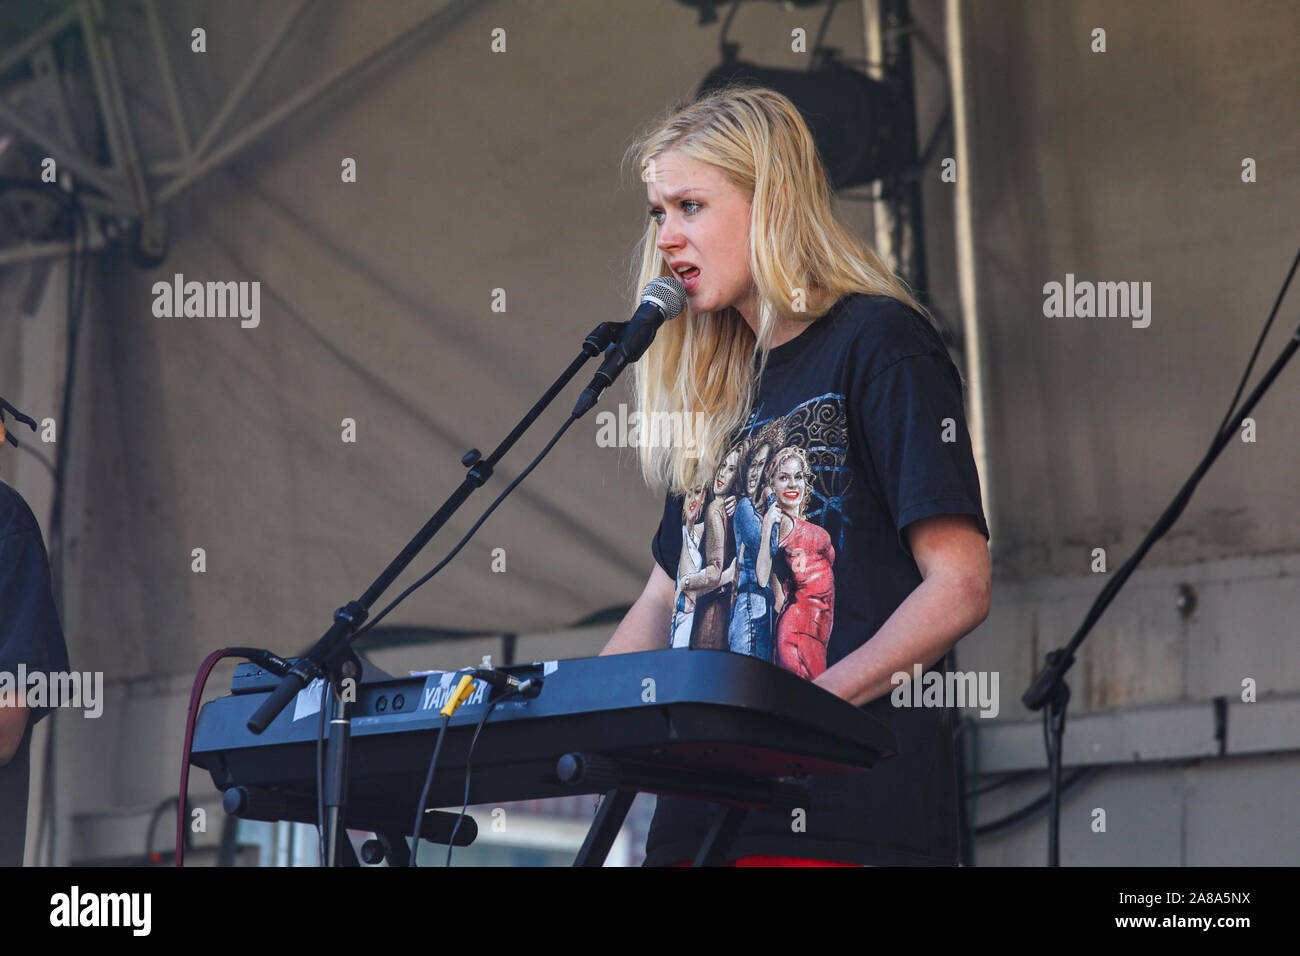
[126, 190]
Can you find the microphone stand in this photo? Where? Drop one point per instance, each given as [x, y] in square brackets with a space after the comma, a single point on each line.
[1049, 688]
[8, 435]
[333, 657]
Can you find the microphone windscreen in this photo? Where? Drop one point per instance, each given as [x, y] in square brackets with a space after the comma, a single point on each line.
[668, 293]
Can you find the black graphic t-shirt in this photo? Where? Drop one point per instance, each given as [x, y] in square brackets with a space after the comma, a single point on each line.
[793, 550]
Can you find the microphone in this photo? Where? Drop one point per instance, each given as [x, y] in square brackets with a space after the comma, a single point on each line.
[662, 299]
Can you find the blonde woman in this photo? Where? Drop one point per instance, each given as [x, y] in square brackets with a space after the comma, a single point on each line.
[794, 324]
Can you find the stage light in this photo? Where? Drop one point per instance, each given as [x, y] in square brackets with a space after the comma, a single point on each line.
[857, 122]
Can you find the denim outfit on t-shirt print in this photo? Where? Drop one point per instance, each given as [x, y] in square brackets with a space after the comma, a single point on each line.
[750, 631]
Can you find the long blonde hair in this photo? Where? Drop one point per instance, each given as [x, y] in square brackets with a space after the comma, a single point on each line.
[801, 257]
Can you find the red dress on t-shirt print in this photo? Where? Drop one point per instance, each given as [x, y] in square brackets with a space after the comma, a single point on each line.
[804, 627]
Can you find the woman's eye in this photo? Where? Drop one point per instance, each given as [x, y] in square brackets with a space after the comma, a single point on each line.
[655, 214]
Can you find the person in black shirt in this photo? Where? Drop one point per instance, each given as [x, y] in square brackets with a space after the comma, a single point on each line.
[30, 636]
[860, 544]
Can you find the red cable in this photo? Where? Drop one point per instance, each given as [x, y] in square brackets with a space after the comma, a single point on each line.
[196, 694]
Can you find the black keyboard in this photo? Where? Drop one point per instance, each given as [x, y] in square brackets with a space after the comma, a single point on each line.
[684, 722]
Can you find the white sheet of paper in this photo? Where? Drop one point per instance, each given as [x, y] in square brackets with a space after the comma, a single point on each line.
[308, 700]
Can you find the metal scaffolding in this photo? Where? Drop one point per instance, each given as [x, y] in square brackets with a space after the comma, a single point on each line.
[127, 190]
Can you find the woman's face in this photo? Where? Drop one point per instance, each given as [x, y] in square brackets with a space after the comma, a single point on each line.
[703, 222]
[788, 484]
[726, 473]
[694, 499]
[756, 466]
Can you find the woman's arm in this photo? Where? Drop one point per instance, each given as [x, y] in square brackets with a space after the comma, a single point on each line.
[767, 538]
[729, 575]
[778, 596]
[13, 724]
[715, 532]
[951, 600]
[645, 626]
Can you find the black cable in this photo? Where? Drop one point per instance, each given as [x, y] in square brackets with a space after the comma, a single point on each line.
[1039, 805]
[821, 32]
[1259, 344]
[470, 533]
[726, 25]
[1053, 785]
[424, 794]
[1039, 802]
[154, 817]
[1047, 736]
[49, 465]
[320, 778]
[451, 842]
[965, 807]
[75, 299]
[1011, 777]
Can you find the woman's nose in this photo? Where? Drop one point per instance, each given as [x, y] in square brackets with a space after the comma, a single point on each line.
[668, 236]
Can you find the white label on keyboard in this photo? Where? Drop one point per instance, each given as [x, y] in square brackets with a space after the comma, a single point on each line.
[308, 700]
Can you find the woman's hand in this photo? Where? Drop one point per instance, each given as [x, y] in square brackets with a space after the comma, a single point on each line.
[729, 575]
[684, 589]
